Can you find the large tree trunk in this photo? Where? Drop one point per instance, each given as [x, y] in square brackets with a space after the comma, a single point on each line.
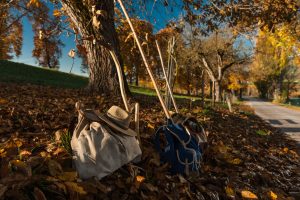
[98, 39]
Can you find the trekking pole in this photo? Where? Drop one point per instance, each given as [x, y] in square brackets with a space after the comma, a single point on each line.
[145, 61]
[164, 72]
[124, 97]
[121, 81]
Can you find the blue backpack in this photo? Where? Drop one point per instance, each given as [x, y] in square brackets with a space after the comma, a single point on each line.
[183, 144]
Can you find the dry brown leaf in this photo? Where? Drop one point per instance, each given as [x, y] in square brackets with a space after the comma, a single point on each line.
[61, 186]
[38, 194]
[54, 168]
[235, 161]
[24, 153]
[248, 195]
[150, 187]
[21, 167]
[3, 101]
[229, 192]
[3, 189]
[59, 150]
[96, 22]
[138, 180]
[272, 195]
[68, 176]
[75, 188]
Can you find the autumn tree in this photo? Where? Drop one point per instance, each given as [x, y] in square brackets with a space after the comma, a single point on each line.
[237, 80]
[276, 53]
[133, 63]
[218, 53]
[11, 31]
[94, 24]
[47, 44]
[242, 15]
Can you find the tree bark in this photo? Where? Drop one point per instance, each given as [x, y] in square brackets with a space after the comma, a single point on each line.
[210, 89]
[101, 38]
[136, 75]
[202, 89]
[218, 90]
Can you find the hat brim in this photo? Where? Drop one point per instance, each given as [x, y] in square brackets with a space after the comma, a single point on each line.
[94, 115]
[128, 131]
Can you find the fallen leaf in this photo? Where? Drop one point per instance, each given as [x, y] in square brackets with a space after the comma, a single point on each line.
[54, 168]
[59, 151]
[3, 101]
[140, 179]
[61, 186]
[248, 195]
[24, 153]
[3, 189]
[75, 188]
[68, 176]
[182, 179]
[137, 182]
[272, 195]
[20, 166]
[56, 13]
[229, 192]
[150, 126]
[38, 194]
[235, 161]
[150, 187]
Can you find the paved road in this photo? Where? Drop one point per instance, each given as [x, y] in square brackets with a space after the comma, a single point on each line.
[286, 119]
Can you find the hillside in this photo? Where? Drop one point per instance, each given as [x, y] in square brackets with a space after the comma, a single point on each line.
[22, 73]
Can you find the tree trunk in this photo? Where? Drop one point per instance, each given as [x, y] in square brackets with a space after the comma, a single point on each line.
[136, 76]
[202, 88]
[218, 90]
[288, 91]
[241, 94]
[102, 38]
[210, 89]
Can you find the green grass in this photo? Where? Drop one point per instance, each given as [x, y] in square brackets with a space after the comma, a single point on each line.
[21, 73]
[294, 102]
[151, 92]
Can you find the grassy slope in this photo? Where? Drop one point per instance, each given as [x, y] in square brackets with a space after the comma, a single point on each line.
[22, 73]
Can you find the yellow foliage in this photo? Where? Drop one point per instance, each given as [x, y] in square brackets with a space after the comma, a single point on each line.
[235, 82]
[283, 42]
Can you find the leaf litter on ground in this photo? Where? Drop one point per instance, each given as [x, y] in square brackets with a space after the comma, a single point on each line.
[240, 162]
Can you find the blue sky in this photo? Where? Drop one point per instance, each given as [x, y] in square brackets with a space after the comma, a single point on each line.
[154, 11]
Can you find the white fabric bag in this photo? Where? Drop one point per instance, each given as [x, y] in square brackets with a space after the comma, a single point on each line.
[100, 145]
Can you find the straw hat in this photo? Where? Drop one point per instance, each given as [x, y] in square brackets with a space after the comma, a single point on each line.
[116, 118]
